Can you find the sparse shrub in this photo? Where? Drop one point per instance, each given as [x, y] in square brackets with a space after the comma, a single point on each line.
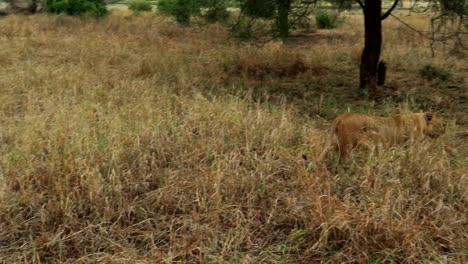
[430, 72]
[243, 29]
[140, 6]
[95, 8]
[328, 20]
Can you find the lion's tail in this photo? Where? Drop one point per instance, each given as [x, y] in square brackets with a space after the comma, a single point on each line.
[330, 141]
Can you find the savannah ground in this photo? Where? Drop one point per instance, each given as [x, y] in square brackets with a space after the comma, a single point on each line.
[133, 140]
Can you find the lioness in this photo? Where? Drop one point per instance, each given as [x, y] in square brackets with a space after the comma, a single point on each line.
[353, 129]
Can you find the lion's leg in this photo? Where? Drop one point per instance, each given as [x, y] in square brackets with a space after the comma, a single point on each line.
[374, 141]
[343, 149]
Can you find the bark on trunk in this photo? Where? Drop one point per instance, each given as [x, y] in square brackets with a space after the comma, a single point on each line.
[381, 73]
[282, 22]
[372, 45]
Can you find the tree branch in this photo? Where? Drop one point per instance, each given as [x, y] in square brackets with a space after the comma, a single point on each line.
[412, 28]
[360, 3]
[390, 10]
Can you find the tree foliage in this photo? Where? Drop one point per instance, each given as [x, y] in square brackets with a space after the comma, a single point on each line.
[96, 8]
[275, 18]
[453, 7]
[258, 8]
[184, 10]
[451, 21]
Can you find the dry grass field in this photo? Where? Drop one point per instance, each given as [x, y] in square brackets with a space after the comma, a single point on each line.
[133, 140]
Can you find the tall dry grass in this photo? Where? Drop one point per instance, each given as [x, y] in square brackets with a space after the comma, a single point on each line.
[132, 140]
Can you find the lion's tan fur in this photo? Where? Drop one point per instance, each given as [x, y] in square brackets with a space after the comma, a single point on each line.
[354, 129]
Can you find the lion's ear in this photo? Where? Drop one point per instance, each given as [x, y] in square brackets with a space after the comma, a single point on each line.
[429, 116]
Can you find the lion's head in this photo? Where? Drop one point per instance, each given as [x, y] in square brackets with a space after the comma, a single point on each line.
[434, 124]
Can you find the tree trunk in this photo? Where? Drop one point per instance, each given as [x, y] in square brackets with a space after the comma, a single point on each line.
[372, 45]
[381, 73]
[32, 8]
[282, 21]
